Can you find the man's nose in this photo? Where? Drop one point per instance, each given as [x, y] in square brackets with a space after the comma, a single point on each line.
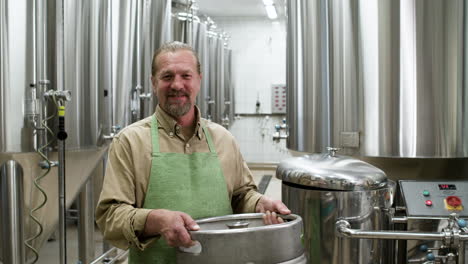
[177, 83]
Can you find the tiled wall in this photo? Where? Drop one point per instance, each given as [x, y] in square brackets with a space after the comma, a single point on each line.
[254, 134]
[259, 59]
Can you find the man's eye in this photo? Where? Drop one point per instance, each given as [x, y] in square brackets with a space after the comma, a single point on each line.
[186, 76]
[166, 77]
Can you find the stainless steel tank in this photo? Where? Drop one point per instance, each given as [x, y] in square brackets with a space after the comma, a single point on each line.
[200, 44]
[243, 238]
[324, 188]
[228, 114]
[379, 78]
[216, 78]
[155, 32]
[139, 29]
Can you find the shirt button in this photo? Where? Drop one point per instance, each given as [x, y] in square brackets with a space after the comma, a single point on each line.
[187, 145]
[171, 134]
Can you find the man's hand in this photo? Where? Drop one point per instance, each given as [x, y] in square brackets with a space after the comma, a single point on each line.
[270, 208]
[172, 225]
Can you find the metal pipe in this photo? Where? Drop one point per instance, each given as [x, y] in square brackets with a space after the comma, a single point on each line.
[461, 252]
[103, 256]
[400, 220]
[86, 223]
[11, 212]
[118, 257]
[343, 229]
[62, 202]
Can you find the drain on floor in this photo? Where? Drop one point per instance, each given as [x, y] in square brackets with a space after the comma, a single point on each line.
[263, 185]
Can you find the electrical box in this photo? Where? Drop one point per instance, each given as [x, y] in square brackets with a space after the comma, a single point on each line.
[278, 98]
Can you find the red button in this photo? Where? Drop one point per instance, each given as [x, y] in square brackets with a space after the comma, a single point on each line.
[453, 201]
[428, 203]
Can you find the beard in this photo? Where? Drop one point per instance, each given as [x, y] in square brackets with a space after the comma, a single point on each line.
[175, 109]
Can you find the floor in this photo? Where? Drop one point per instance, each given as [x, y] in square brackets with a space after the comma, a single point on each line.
[49, 254]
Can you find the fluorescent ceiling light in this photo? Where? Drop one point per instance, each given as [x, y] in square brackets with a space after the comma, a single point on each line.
[268, 2]
[271, 11]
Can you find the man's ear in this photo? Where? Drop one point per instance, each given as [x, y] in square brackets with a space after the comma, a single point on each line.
[153, 84]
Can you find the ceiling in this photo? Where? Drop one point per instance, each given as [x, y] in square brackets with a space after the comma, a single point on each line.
[237, 8]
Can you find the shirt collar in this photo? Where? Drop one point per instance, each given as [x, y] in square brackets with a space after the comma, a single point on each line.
[169, 124]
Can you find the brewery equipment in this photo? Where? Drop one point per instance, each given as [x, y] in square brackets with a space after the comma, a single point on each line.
[380, 78]
[244, 238]
[336, 192]
[323, 188]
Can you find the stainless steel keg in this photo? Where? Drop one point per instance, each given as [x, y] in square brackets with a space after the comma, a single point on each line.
[243, 238]
[324, 188]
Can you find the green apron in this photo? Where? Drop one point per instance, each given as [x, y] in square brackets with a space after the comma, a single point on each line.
[190, 183]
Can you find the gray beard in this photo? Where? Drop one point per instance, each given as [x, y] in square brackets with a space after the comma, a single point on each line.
[177, 111]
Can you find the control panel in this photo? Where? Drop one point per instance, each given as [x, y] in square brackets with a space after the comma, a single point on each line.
[435, 198]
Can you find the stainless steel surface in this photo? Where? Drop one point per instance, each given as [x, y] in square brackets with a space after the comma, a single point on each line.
[436, 218]
[331, 172]
[257, 243]
[216, 78]
[391, 71]
[62, 208]
[86, 245]
[17, 72]
[321, 209]
[200, 44]
[228, 113]
[52, 45]
[414, 198]
[343, 229]
[156, 31]
[11, 213]
[124, 24]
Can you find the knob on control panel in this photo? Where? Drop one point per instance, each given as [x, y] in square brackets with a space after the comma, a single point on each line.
[453, 203]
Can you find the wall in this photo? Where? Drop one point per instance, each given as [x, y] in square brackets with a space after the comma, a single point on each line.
[259, 59]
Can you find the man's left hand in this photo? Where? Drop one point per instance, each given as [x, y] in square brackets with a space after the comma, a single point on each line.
[270, 208]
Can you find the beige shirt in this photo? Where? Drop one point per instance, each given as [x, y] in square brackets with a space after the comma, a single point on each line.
[119, 213]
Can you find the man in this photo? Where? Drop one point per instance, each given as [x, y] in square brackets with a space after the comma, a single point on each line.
[173, 167]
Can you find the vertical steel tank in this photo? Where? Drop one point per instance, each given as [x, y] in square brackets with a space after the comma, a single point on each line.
[378, 78]
[324, 188]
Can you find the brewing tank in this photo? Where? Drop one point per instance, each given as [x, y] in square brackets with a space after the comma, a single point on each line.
[379, 78]
[324, 188]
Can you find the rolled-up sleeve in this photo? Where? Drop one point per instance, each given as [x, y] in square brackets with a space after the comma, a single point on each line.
[117, 215]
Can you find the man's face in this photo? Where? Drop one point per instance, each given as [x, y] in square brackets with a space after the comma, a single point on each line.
[177, 82]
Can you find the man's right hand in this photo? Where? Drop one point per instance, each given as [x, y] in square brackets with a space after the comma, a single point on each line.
[172, 225]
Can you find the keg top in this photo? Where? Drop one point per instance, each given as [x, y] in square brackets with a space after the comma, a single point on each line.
[330, 171]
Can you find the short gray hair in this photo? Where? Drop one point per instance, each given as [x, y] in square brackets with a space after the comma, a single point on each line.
[173, 47]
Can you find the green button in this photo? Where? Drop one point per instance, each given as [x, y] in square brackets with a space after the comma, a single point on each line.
[426, 193]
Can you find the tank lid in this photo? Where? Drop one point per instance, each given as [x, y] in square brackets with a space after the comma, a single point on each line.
[329, 171]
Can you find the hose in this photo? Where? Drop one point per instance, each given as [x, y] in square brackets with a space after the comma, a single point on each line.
[39, 151]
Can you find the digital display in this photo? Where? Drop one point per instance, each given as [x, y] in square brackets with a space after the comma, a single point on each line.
[447, 187]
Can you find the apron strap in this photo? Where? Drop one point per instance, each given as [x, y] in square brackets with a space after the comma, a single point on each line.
[154, 135]
[209, 140]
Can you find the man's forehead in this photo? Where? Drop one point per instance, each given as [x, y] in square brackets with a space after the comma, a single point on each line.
[180, 58]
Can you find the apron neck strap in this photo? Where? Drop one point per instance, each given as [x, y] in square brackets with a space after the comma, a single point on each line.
[155, 137]
[209, 140]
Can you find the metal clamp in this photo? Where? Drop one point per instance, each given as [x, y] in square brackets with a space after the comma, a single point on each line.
[332, 151]
[114, 131]
[60, 95]
[145, 96]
